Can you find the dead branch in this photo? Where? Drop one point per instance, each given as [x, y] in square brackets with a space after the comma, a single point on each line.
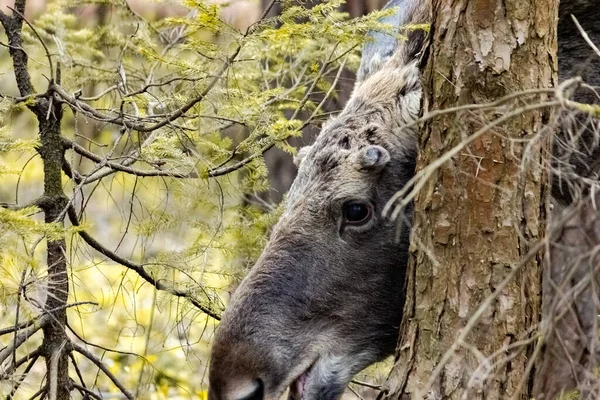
[68, 144]
[22, 337]
[85, 392]
[39, 393]
[416, 183]
[96, 361]
[14, 366]
[21, 378]
[139, 269]
[18, 327]
[585, 36]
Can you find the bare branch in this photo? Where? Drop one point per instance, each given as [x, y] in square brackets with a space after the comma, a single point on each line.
[366, 384]
[14, 366]
[139, 269]
[96, 361]
[12, 27]
[22, 337]
[123, 168]
[22, 377]
[416, 183]
[35, 32]
[99, 95]
[585, 36]
[86, 392]
[38, 393]
[77, 370]
[14, 328]
[121, 352]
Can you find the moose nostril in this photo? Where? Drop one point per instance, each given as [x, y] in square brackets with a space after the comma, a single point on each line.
[254, 391]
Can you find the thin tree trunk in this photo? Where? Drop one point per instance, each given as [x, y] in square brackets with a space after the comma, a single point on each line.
[55, 345]
[55, 348]
[478, 216]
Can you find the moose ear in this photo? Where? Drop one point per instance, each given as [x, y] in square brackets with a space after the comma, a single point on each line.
[301, 154]
[381, 46]
[373, 158]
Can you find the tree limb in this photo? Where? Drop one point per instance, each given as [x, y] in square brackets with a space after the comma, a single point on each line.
[96, 361]
[86, 392]
[22, 378]
[22, 337]
[68, 144]
[139, 269]
[35, 32]
[14, 366]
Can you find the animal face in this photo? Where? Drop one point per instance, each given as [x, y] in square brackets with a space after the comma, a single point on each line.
[325, 298]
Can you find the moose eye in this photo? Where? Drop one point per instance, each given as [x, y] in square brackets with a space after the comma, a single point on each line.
[357, 213]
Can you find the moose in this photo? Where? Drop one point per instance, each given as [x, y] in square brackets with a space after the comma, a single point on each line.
[325, 298]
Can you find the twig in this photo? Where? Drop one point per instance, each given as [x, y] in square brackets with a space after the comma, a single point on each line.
[35, 32]
[14, 366]
[99, 95]
[490, 299]
[223, 170]
[85, 391]
[355, 393]
[120, 167]
[121, 352]
[22, 337]
[12, 27]
[17, 327]
[366, 384]
[21, 378]
[84, 352]
[38, 393]
[77, 370]
[139, 269]
[585, 36]
[416, 183]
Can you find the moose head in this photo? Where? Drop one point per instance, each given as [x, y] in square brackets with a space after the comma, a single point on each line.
[325, 298]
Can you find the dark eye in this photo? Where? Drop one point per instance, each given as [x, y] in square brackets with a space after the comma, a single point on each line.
[357, 213]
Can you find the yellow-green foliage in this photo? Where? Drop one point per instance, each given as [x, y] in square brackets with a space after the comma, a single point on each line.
[196, 234]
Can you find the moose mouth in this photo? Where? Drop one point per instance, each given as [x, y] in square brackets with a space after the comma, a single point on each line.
[298, 386]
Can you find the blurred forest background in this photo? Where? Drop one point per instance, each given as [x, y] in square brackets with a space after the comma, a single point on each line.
[178, 123]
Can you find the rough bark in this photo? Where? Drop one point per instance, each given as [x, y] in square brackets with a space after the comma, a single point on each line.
[479, 215]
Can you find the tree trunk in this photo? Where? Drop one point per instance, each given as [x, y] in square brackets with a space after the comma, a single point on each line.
[474, 287]
[56, 345]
